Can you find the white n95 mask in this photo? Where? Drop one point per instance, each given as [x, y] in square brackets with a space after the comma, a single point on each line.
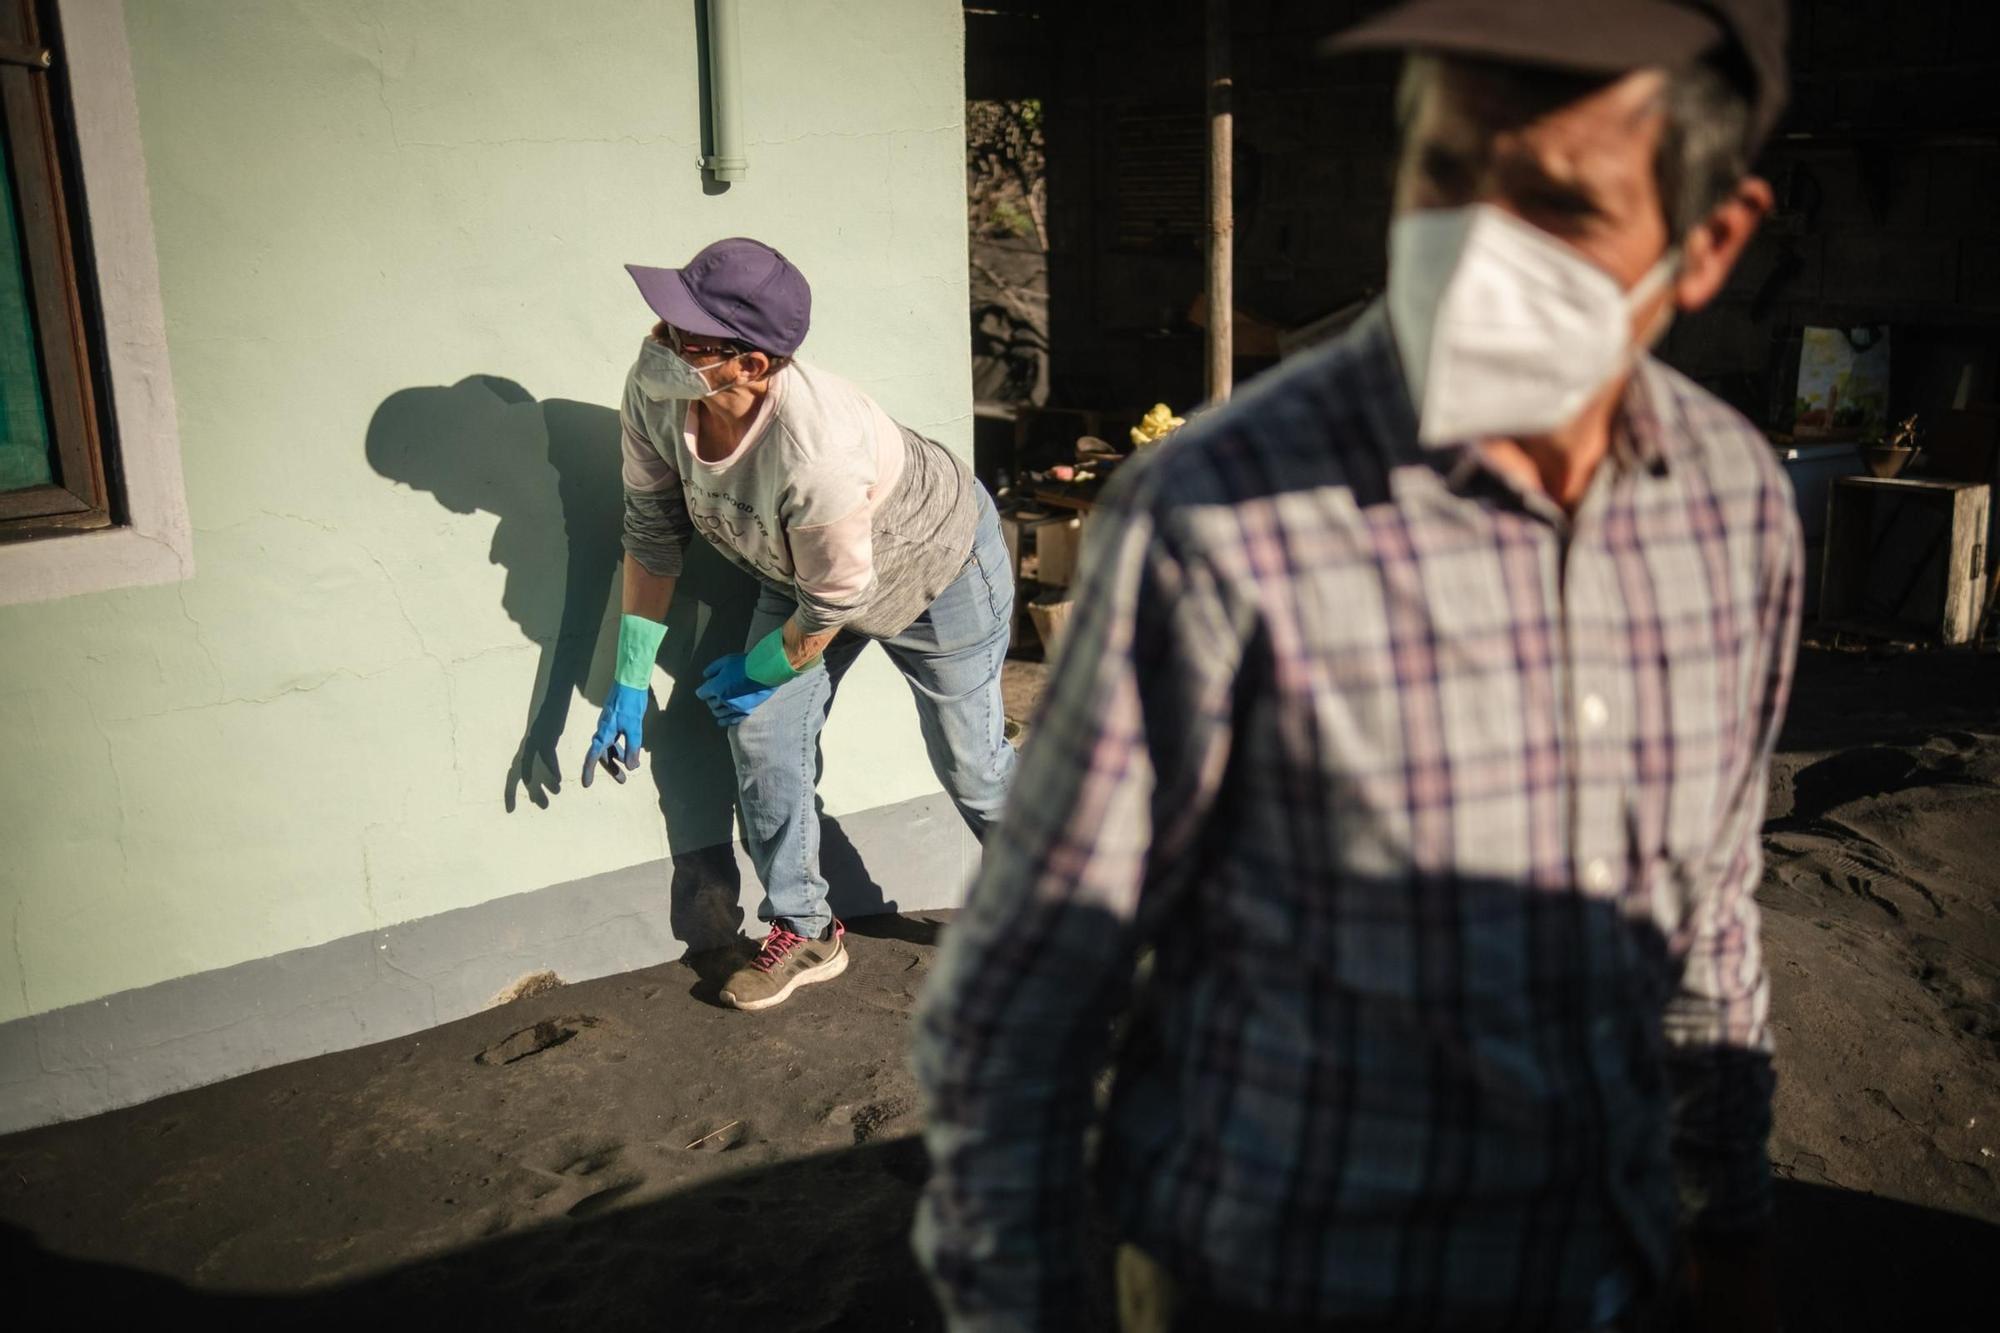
[663, 374]
[1505, 331]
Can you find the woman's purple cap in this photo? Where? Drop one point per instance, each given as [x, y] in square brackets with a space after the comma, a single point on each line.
[736, 288]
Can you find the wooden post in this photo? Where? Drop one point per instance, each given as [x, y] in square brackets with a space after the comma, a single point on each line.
[1221, 208]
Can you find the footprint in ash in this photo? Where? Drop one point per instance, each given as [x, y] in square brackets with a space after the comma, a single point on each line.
[542, 1036]
[583, 1176]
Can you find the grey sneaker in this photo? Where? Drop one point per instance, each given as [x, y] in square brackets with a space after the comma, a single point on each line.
[785, 962]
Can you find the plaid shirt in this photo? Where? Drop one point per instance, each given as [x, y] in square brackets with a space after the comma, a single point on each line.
[1439, 813]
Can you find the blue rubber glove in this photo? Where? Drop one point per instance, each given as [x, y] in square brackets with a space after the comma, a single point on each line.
[620, 732]
[731, 693]
[621, 727]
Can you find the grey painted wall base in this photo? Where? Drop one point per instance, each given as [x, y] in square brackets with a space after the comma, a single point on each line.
[181, 1034]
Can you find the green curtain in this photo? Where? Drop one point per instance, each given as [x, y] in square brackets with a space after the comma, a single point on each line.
[25, 456]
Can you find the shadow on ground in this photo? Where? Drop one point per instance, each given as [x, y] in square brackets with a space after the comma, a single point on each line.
[714, 1257]
[711, 1259]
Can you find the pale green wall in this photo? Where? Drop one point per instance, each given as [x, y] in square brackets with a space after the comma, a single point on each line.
[309, 739]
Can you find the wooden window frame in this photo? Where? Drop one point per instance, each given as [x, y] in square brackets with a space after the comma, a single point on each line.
[40, 148]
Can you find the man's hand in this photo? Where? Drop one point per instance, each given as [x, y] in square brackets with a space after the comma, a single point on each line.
[731, 693]
[620, 733]
[803, 649]
[1730, 1285]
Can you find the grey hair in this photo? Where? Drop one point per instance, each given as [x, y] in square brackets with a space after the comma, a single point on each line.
[1704, 150]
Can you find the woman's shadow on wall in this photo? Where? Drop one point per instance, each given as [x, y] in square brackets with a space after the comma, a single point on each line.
[549, 472]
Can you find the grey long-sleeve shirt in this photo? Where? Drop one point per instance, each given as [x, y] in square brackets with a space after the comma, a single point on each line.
[862, 521]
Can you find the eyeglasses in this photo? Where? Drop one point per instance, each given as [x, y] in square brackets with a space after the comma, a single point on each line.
[685, 346]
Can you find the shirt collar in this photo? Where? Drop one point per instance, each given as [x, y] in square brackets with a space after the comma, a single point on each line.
[1640, 434]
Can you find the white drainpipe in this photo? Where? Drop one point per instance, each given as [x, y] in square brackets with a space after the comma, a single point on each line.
[725, 101]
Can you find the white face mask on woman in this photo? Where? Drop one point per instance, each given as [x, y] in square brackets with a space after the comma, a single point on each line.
[663, 374]
[1505, 331]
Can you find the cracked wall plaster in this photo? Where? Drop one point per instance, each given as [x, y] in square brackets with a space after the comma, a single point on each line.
[308, 740]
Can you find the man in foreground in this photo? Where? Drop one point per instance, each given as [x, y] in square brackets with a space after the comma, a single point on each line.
[1416, 716]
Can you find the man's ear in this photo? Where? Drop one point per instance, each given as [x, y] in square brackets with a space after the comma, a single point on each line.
[1713, 247]
[756, 366]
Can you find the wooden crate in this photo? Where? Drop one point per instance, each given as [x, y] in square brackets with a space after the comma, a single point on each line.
[1905, 557]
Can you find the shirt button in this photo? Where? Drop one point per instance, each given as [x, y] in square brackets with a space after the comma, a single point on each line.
[1598, 874]
[1595, 712]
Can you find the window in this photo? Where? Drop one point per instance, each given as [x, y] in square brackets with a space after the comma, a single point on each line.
[101, 356]
[55, 473]
[1159, 163]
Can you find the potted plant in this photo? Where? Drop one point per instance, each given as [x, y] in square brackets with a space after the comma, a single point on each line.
[1886, 458]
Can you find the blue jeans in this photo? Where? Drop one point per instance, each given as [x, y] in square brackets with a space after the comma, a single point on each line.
[951, 655]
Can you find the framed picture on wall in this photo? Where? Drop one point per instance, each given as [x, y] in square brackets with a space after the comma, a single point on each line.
[1843, 389]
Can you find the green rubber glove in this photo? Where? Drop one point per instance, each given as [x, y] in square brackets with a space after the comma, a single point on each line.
[638, 647]
[767, 663]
